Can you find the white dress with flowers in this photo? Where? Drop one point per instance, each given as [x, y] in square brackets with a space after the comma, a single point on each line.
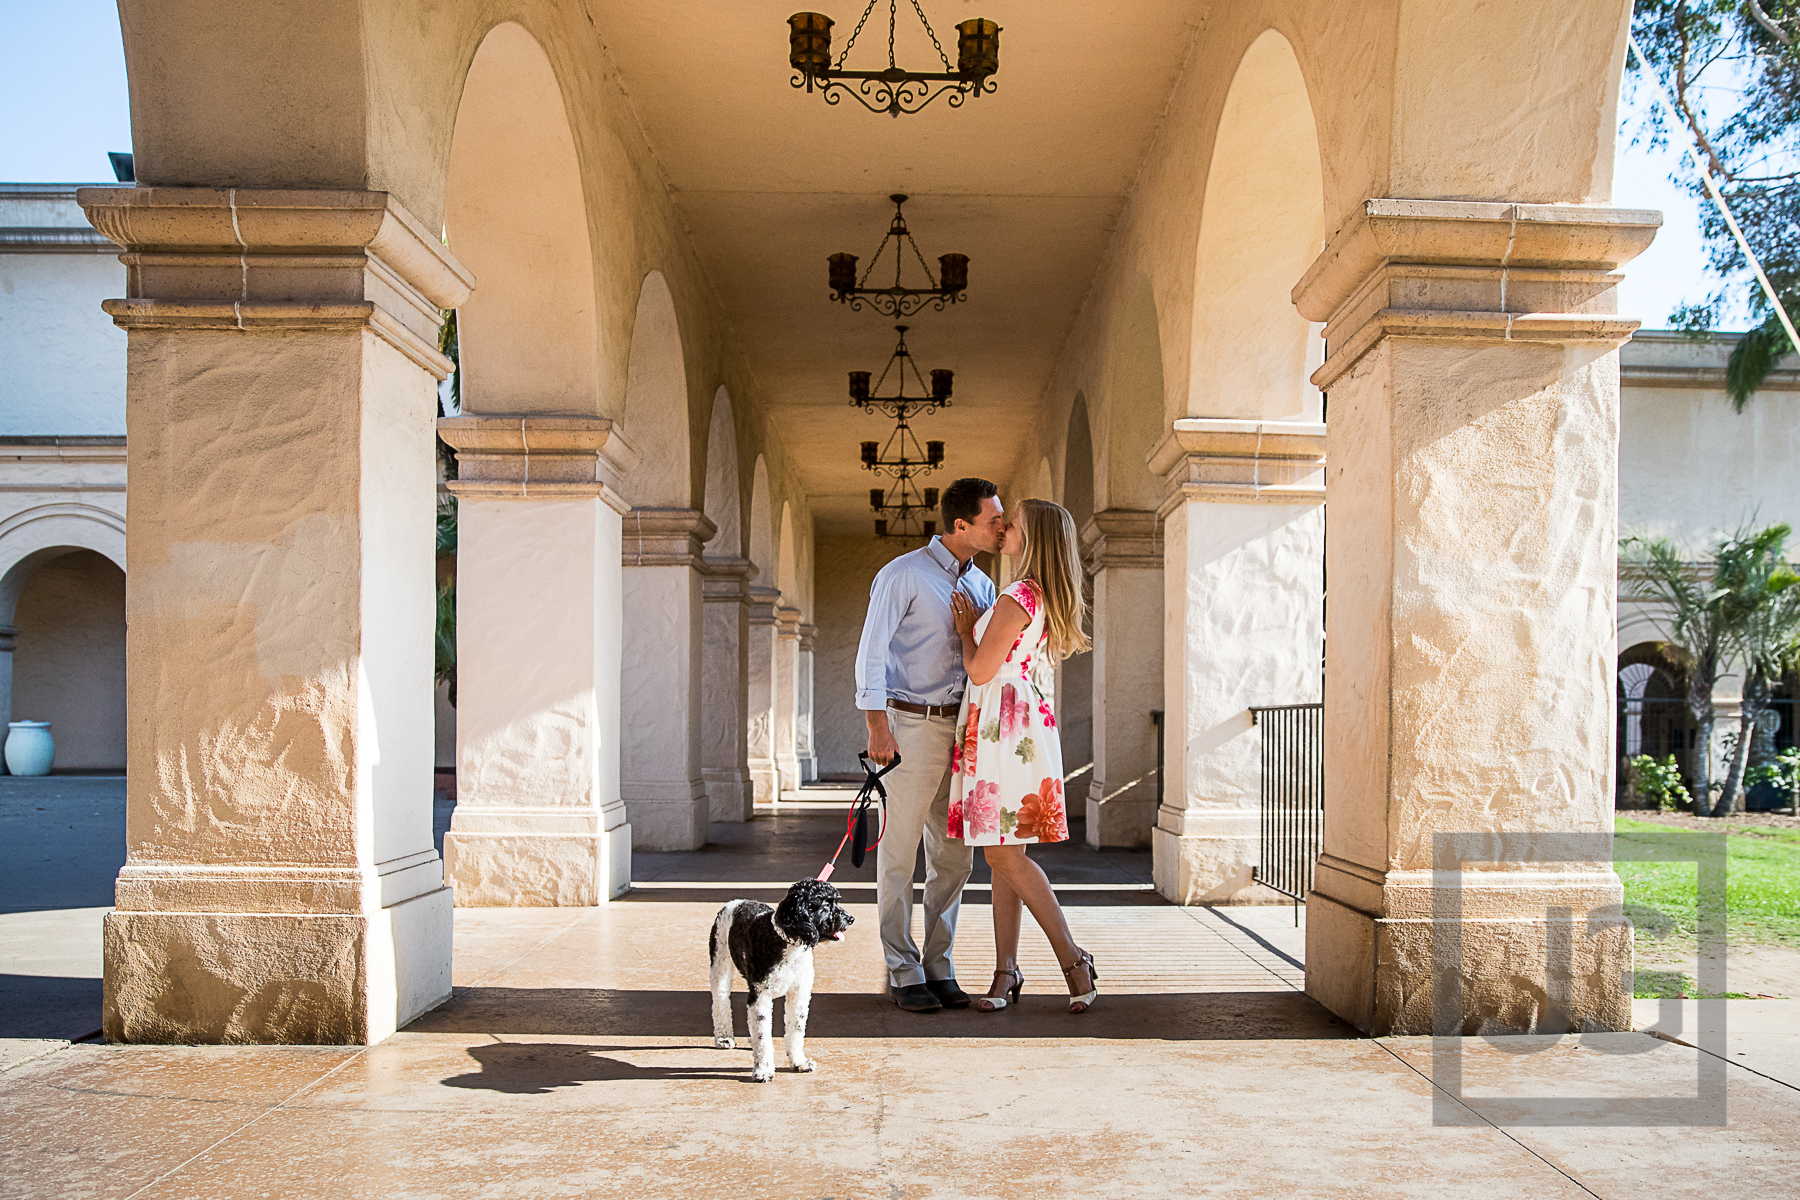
[1006, 769]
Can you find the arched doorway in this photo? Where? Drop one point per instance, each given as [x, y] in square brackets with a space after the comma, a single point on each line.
[724, 750]
[66, 607]
[1653, 715]
[1244, 522]
[538, 819]
[1075, 675]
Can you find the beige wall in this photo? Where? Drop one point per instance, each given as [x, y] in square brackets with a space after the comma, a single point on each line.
[69, 664]
[847, 564]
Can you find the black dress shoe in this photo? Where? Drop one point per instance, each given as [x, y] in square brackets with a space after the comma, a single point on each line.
[914, 997]
[948, 994]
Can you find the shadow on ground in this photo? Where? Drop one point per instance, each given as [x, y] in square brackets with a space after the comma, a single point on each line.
[1166, 1016]
[48, 1006]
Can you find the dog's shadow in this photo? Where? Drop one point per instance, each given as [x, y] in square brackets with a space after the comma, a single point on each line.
[539, 1068]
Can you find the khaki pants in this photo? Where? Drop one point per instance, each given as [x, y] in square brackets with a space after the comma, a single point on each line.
[919, 804]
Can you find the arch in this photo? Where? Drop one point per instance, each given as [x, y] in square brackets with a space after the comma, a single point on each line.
[1134, 404]
[762, 524]
[723, 501]
[67, 665]
[1043, 485]
[515, 215]
[787, 566]
[33, 537]
[1262, 223]
[1078, 464]
[656, 402]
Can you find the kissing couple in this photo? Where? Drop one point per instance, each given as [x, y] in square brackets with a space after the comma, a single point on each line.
[958, 683]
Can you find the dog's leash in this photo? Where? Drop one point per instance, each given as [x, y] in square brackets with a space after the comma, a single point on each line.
[857, 824]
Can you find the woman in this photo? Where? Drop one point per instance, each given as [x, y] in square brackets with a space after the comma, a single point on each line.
[1006, 789]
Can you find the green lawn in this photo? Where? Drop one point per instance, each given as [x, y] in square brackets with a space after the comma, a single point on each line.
[1762, 895]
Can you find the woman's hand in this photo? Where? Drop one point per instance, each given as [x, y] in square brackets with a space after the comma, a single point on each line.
[964, 613]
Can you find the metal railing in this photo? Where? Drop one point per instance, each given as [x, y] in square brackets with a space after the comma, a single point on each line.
[1293, 797]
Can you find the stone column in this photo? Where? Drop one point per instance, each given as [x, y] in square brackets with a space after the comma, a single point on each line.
[1125, 559]
[760, 675]
[280, 883]
[539, 820]
[1473, 373]
[724, 690]
[1243, 610]
[787, 697]
[664, 788]
[805, 752]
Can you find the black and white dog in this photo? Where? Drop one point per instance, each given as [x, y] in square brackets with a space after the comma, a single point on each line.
[772, 949]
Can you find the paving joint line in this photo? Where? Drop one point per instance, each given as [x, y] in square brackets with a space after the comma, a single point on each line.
[264, 1115]
[1477, 1115]
[1668, 1037]
[522, 956]
[1187, 912]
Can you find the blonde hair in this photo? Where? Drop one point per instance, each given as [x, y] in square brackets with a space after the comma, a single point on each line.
[1052, 560]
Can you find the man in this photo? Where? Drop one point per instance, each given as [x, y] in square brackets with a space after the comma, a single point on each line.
[909, 683]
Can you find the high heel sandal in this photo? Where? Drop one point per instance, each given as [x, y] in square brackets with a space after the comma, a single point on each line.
[1081, 1003]
[996, 1003]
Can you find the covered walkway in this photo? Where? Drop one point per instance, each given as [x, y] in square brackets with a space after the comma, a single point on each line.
[574, 1059]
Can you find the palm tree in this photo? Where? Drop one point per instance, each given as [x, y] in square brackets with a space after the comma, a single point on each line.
[1763, 617]
[1696, 622]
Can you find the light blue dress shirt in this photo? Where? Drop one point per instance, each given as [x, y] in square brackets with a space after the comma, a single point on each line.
[910, 650]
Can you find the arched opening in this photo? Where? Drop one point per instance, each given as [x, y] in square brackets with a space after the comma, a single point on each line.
[656, 402]
[723, 691]
[1133, 420]
[1653, 716]
[1075, 692]
[759, 666]
[515, 214]
[65, 607]
[1262, 225]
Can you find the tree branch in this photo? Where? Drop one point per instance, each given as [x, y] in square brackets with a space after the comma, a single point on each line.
[1762, 18]
[1681, 85]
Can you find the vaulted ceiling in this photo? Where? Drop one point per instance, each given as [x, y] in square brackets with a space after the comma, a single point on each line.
[1028, 182]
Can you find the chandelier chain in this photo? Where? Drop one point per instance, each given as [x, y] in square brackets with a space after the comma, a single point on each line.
[893, 13]
[932, 34]
[853, 34]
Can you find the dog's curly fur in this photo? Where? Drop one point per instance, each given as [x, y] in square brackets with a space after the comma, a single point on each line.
[772, 949]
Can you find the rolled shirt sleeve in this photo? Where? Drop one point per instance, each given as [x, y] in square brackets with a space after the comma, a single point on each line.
[889, 598]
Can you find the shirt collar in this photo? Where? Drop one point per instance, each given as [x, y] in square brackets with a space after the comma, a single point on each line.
[943, 558]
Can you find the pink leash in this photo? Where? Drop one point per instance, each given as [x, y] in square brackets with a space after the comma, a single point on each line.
[857, 823]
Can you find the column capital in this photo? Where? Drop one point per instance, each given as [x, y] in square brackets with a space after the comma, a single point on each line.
[537, 458]
[763, 604]
[1119, 538]
[726, 580]
[787, 622]
[1238, 462]
[267, 261]
[9, 637]
[806, 635]
[666, 537]
[1451, 270]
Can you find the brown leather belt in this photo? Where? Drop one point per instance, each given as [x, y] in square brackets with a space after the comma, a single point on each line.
[926, 710]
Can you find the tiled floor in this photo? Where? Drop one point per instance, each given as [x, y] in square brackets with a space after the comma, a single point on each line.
[575, 1059]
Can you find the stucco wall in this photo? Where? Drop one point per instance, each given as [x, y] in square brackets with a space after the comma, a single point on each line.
[65, 362]
[69, 666]
[1688, 464]
[846, 567]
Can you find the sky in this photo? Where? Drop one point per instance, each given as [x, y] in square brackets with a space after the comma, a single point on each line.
[62, 90]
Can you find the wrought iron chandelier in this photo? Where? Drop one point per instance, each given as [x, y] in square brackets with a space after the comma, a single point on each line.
[903, 457]
[898, 301]
[895, 90]
[906, 506]
[900, 406]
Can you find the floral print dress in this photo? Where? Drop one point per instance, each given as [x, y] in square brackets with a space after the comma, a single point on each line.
[1006, 769]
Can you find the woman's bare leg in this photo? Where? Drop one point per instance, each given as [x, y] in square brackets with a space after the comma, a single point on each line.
[1026, 881]
[1008, 913]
